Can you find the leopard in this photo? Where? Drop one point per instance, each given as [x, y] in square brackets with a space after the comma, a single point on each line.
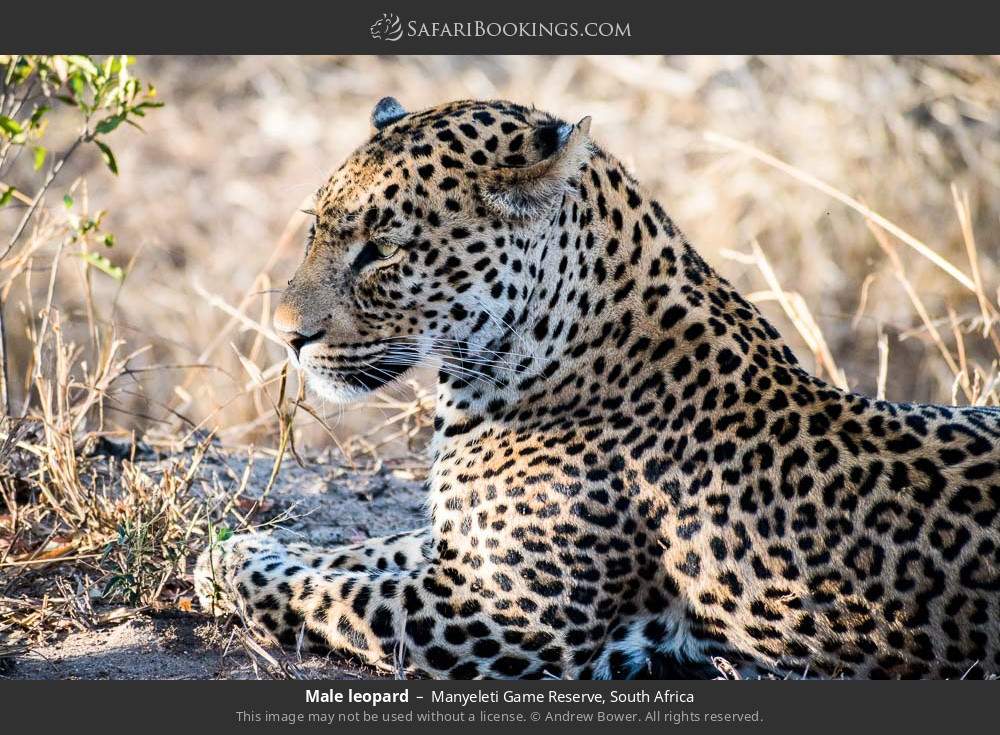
[631, 472]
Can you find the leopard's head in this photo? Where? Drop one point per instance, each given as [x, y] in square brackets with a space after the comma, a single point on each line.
[427, 239]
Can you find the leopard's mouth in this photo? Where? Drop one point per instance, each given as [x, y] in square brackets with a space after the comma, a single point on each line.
[375, 375]
[345, 375]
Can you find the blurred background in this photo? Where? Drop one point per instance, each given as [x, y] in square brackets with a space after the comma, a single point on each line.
[204, 214]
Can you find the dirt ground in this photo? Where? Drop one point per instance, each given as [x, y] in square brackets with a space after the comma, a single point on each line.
[330, 505]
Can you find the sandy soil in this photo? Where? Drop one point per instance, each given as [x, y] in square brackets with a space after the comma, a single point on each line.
[331, 505]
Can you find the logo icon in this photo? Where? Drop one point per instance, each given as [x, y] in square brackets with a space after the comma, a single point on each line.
[387, 28]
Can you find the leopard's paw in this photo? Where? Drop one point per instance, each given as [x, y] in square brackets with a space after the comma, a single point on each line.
[219, 565]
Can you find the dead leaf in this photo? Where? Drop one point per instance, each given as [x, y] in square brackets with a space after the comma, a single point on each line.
[53, 553]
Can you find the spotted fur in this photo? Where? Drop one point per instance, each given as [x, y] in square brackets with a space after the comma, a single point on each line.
[629, 462]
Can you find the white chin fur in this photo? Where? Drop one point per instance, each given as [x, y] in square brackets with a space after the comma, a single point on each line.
[334, 392]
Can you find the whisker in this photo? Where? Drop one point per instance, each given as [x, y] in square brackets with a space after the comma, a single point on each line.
[464, 342]
[448, 361]
[497, 319]
[404, 361]
[388, 386]
[449, 369]
[469, 361]
[405, 355]
[479, 358]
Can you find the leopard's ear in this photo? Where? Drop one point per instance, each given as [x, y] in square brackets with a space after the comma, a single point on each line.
[387, 111]
[524, 192]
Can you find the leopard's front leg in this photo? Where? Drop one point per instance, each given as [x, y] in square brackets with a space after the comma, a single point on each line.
[400, 551]
[429, 618]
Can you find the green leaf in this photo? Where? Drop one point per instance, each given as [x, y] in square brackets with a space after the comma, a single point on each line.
[77, 84]
[7, 195]
[115, 581]
[109, 240]
[10, 126]
[104, 265]
[67, 201]
[109, 123]
[36, 115]
[39, 152]
[83, 62]
[224, 534]
[108, 156]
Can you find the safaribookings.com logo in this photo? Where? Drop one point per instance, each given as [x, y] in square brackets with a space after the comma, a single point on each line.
[390, 28]
[387, 28]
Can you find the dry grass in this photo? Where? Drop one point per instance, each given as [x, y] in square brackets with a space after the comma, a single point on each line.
[857, 200]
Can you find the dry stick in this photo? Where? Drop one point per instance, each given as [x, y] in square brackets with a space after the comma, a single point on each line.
[329, 432]
[258, 342]
[969, 237]
[911, 292]
[4, 380]
[15, 59]
[862, 300]
[869, 214]
[285, 421]
[804, 323]
[963, 362]
[883, 364]
[942, 321]
[258, 378]
[86, 275]
[56, 560]
[219, 303]
[23, 198]
[43, 330]
[244, 481]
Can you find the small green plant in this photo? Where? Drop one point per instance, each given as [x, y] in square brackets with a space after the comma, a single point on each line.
[130, 561]
[217, 535]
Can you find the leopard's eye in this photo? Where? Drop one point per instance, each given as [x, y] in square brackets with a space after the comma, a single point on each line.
[386, 249]
[372, 251]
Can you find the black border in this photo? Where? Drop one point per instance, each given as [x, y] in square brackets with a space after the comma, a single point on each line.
[667, 26]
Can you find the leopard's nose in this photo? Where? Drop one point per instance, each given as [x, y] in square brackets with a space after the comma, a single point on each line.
[290, 328]
[297, 340]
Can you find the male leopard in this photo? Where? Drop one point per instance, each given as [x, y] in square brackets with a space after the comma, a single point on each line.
[628, 461]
